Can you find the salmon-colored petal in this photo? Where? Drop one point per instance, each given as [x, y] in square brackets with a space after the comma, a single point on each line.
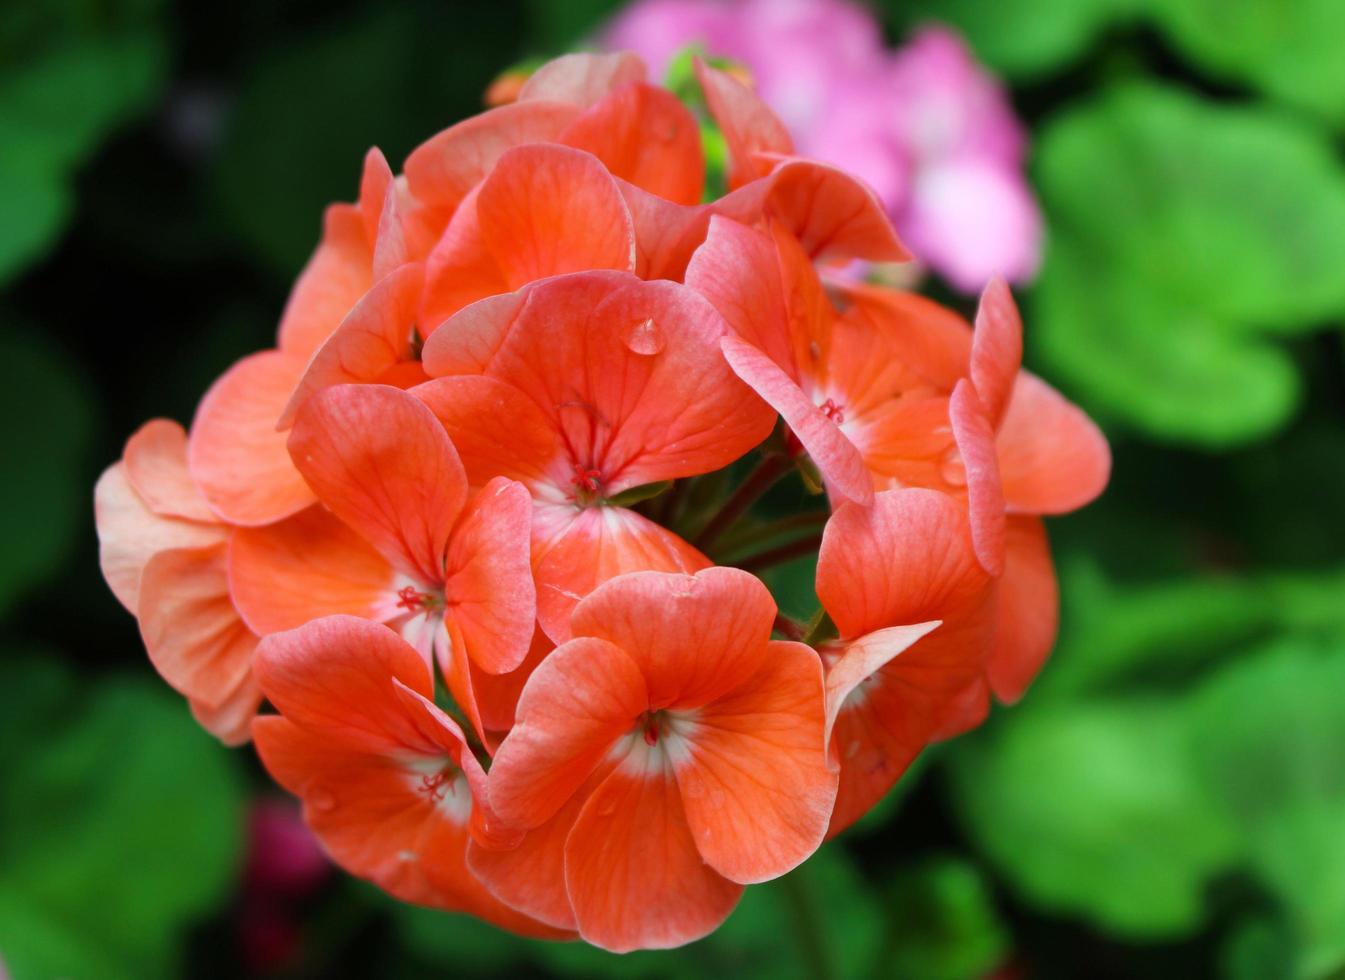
[1052, 457]
[666, 233]
[583, 78]
[376, 179]
[382, 462]
[985, 497]
[334, 675]
[694, 637]
[837, 459]
[546, 210]
[392, 248]
[644, 134]
[130, 534]
[442, 170]
[489, 587]
[1027, 609]
[156, 465]
[460, 269]
[497, 694]
[755, 780]
[907, 559]
[737, 270]
[575, 552]
[634, 876]
[236, 456]
[996, 349]
[193, 634]
[438, 639]
[530, 877]
[584, 697]
[834, 215]
[337, 275]
[967, 711]
[748, 124]
[373, 337]
[230, 720]
[935, 342]
[364, 807]
[305, 567]
[865, 656]
[498, 430]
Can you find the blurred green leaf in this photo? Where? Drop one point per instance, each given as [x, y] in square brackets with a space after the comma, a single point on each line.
[1290, 49]
[1091, 809]
[792, 584]
[46, 417]
[120, 824]
[944, 923]
[1019, 38]
[1173, 256]
[54, 110]
[1269, 735]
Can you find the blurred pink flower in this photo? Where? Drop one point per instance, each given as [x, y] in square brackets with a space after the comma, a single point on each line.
[284, 858]
[929, 128]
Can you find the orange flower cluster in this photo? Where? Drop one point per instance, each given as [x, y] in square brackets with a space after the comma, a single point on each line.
[442, 528]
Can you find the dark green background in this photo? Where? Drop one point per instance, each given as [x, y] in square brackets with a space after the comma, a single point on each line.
[1170, 798]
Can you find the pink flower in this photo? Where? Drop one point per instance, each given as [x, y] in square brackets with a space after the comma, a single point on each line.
[925, 125]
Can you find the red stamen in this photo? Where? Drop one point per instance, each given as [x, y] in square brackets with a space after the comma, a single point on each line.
[833, 411]
[587, 479]
[433, 785]
[411, 598]
[651, 731]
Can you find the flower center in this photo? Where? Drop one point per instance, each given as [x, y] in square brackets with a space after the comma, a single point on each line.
[413, 600]
[833, 411]
[587, 483]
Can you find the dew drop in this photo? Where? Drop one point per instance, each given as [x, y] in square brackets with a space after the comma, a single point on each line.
[952, 470]
[644, 337]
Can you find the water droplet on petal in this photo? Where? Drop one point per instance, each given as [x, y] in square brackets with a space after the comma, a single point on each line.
[645, 337]
[952, 470]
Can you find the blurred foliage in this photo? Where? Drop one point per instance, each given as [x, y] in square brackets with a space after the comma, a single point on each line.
[1169, 799]
[120, 823]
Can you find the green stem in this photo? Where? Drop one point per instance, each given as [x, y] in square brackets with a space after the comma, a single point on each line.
[742, 538]
[780, 554]
[761, 479]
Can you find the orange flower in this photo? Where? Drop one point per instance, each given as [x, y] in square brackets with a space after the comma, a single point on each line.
[667, 755]
[389, 785]
[582, 387]
[397, 540]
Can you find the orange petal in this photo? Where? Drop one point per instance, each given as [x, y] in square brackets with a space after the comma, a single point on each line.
[305, 567]
[337, 275]
[694, 637]
[748, 124]
[130, 534]
[489, 587]
[864, 657]
[382, 462]
[756, 783]
[985, 497]
[1052, 457]
[576, 551]
[546, 210]
[585, 696]
[837, 458]
[498, 431]
[935, 343]
[1027, 609]
[156, 465]
[907, 559]
[583, 78]
[230, 721]
[442, 170]
[374, 336]
[497, 694]
[460, 269]
[237, 457]
[644, 134]
[833, 215]
[996, 349]
[634, 876]
[475, 335]
[193, 635]
[334, 675]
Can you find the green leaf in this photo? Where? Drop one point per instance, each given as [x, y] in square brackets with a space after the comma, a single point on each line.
[1091, 809]
[1173, 259]
[1289, 50]
[55, 108]
[46, 415]
[120, 825]
[1270, 744]
[1019, 38]
[648, 491]
[944, 922]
